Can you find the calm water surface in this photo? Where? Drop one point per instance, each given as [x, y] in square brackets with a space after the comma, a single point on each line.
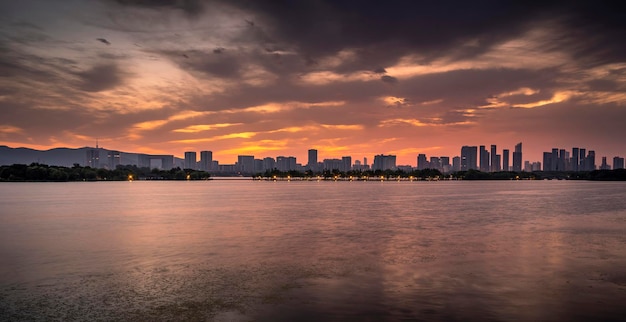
[312, 251]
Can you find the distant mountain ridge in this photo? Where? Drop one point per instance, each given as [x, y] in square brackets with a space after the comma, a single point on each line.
[64, 156]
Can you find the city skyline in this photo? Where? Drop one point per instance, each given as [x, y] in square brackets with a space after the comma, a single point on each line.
[262, 78]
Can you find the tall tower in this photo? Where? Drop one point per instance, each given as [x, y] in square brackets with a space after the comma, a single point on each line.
[517, 158]
[494, 156]
[505, 160]
[468, 158]
[190, 160]
[574, 162]
[484, 159]
[206, 160]
[312, 164]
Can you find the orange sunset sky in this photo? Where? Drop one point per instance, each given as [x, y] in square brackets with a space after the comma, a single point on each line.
[269, 78]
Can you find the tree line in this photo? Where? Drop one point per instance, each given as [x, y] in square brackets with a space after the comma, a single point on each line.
[44, 172]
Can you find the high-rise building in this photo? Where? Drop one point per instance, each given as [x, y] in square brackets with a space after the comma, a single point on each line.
[456, 163]
[562, 160]
[312, 163]
[590, 161]
[574, 163]
[618, 163]
[445, 164]
[554, 161]
[206, 160]
[517, 158]
[484, 159]
[346, 164]
[583, 156]
[384, 162]
[604, 165]
[114, 158]
[422, 163]
[435, 163]
[93, 158]
[505, 160]
[547, 161]
[269, 164]
[494, 155]
[469, 158]
[190, 160]
[245, 163]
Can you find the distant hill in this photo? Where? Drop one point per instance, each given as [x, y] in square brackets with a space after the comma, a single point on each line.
[63, 156]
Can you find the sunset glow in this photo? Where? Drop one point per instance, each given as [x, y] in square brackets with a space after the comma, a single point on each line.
[256, 78]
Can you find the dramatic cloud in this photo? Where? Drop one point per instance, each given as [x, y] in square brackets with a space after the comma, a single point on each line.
[268, 78]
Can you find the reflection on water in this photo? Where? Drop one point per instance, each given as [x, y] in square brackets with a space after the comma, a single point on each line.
[243, 250]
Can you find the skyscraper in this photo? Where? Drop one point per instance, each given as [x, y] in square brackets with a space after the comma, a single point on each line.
[468, 158]
[456, 164]
[422, 163]
[554, 161]
[312, 164]
[505, 160]
[574, 163]
[590, 162]
[517, 158]
[484, 159]
[346, 164]
[384, 162]
[190, 160]
[583, 156]
[206, 160]
[547, 161]
[494, 156]
[245, 163]
[618, 163]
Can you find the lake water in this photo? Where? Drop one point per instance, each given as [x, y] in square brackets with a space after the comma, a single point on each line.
[313, 251]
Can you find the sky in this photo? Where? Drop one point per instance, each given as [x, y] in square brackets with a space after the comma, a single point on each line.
[270, 78]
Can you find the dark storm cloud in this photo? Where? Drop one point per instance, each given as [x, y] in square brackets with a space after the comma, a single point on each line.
[100, 78]
[190, 7]
[385, 31]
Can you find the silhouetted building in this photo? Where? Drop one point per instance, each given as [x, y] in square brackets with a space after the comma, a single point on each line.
[445, 164]
[269, 164]
[164, 162]
[517, 158]
[469, 158]
[554, 161]
[93, 158]
[312, 162]
[245, 163]
[547, 161]
[618, 163]
[206, 160]
[590, 161]
[604, 165]
[456, 164]
[384, 162]
[484, 159]
[495, 165]
[190, 160]
[346, 164]
[574, 163]
[583, 157]
[332, 164]
[505, 160]
[422, 163]
[435, 163]
[114, 158]
[285, 163]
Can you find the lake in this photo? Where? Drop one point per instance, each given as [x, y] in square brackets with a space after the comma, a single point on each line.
[313, 251]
